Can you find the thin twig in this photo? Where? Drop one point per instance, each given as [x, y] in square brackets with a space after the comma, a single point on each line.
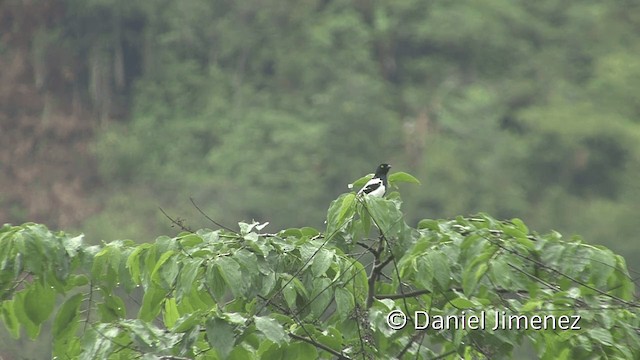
[176, 222]
[209, 218]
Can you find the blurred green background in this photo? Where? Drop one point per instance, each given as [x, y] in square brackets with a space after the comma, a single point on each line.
[266, 110]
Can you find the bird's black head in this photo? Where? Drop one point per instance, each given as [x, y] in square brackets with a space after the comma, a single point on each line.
[382, 170]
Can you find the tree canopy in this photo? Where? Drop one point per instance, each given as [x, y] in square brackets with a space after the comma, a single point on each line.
[247, 293]
[260, 111]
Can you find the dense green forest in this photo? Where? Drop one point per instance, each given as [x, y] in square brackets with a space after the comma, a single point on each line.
[265, 110]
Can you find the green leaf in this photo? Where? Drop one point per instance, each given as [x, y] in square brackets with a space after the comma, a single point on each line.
[248, 261]
[9, 318]
[290, 295]
[66, 320]
[39, 303]
[171, 313]
[190, 240]
[151, 303]
[133, 262]
[241, 353]
[440, 267]
[73, 245]
[187, 322]
[462, 303]
[515, 232]
[385, 214]
[344, 302]
[424, 276]
[520, 225]
[471, 276]
[271, 329]
[19, 310]
[297, 233]
[232, 275]
[220, 336]
[601, 335]
[309, 231]
[340, 211]
[429, 224]
[403, 177]
[361, 181]
[188, 273]
[300, 350]
[321, 262]
[98, 342]
[215, 281]
[321, 297]
[113, 308]
[155, 274]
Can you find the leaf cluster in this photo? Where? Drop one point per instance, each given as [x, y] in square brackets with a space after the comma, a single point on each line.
[301, 293]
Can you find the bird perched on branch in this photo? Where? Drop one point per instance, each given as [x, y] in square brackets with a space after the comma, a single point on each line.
[377, 186]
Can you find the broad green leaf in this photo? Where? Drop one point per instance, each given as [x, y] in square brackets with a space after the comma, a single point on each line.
[471, 276]
[188, 273]
[300, 350]
[66, 321]
[384, 214]
[186, 322]
[321, 296]
[74, 245]
[232, 275]
[428, 224]
[424, 275]
[309, 231]
[241, 353]
[113, 308]
[603, 265]
[601, 335]
[321, 262]
[403, 177]
[268, 283]
[297, 233]
[9, 318]
[462, 303]
[147, 337]
[516, 233]
[248, 261]
[133, 262]
[151, 303]
[290, 295]
[215, 281]
[190, 240]
[344, 302]
[98, 342]
[155, 274]
[20, 313]
[361, 181]
[340, 211]
[220, 336]
[171, 314]
[271, 329]
[440, 268]
[331, 338]
[520, 225]
[39, 303]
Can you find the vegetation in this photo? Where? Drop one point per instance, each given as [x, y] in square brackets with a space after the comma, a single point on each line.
[262, 110]
[512, 108]
[299, 293]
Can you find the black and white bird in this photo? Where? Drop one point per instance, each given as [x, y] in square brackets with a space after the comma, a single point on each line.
[377, 186]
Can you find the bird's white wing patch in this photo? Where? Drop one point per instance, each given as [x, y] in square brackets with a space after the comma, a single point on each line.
[373, 187]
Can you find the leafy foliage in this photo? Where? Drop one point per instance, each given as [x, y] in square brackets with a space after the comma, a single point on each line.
[300, 293]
